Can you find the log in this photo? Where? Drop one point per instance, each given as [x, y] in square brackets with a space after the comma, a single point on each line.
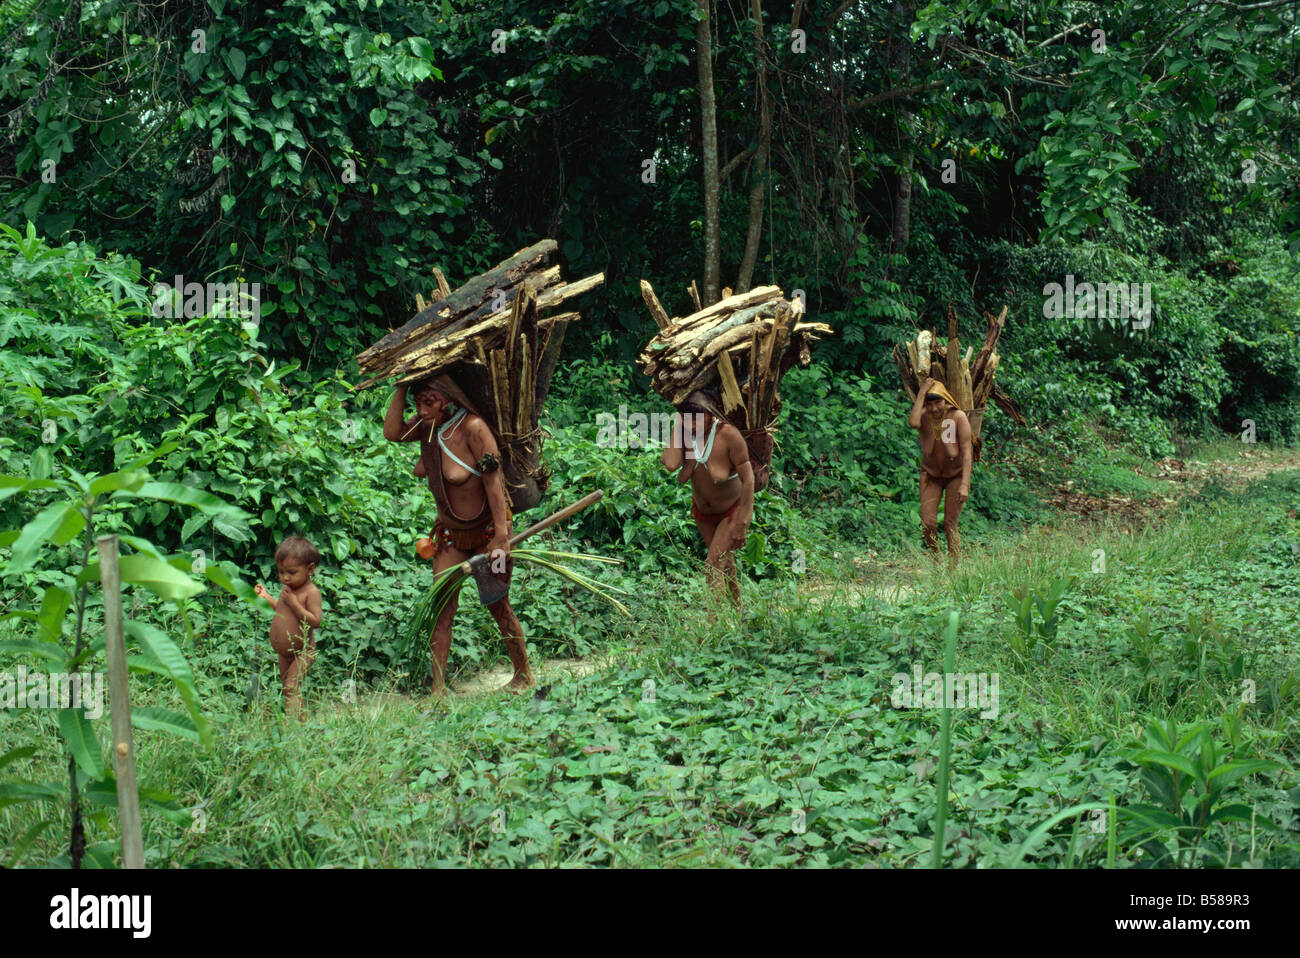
[723, 307]
[503, 358]
[695, 295]
[952, 371]
[652, 303]
[734, 336]
[468, 297]
[557, 295]
[970, 385]
[687, 346]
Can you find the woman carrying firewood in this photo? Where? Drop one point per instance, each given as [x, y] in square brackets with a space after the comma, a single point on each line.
[712, 454]
[945, 437]
[473, 515]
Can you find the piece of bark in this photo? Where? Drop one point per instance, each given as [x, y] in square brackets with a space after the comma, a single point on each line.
[523, 390]
[652, 303]
[952, 370]
[731, 397]
[500, 385]
[990, 341]
[905, 375]
[443, 289]
[1007, 405]
[985, 386]
[550, 357]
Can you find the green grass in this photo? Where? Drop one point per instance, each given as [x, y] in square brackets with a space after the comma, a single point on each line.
[771, 739]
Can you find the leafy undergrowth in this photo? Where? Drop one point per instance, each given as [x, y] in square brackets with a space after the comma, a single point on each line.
[777, 740]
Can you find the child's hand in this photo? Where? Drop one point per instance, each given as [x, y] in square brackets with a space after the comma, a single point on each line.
[261, 591]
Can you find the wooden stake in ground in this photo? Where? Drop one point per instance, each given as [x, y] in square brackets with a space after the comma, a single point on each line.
[119, 703]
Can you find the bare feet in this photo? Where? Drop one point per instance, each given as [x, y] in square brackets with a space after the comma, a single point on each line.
[519, 684]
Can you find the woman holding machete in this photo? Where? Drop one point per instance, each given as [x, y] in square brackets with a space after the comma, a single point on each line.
[449, 443]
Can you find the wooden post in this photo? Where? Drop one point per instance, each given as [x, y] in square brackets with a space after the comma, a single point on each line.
[119, 703]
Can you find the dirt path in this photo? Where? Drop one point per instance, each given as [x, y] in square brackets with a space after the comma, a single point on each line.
[1185, 477]
[545, 671]
[890, 580]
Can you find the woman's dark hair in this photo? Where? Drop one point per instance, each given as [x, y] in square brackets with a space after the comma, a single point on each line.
[297, 549]
[425, 386]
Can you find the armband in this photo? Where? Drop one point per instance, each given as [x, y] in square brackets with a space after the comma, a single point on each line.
[489, 463]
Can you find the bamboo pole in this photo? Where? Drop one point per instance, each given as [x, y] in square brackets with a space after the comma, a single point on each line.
[119, 703]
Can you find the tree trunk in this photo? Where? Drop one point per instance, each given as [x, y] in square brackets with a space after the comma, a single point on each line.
[902, 232]
[709, 135]
[760, 164]
[901, 57]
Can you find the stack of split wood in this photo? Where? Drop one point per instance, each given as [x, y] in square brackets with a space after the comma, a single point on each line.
[491, 337]
[738, 349]
[971, 384]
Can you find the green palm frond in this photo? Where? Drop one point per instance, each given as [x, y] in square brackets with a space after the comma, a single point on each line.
[415, 641]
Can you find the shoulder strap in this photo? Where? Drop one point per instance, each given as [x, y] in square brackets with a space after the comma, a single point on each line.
[708, 446]
[455, 458]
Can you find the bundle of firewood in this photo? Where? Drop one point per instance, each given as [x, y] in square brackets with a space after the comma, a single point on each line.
[489, 336]
[970, 384]
[738, 348]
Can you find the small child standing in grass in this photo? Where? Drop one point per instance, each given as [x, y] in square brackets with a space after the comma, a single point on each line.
[297, 616]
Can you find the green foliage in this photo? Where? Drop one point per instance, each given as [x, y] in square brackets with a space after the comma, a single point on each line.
[1188, 783]
[80, 505]
[1029, 630]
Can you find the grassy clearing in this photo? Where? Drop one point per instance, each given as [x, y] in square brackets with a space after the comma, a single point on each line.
[773, 740]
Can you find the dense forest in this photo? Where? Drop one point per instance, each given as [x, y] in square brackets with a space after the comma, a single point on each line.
[1131, 550]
